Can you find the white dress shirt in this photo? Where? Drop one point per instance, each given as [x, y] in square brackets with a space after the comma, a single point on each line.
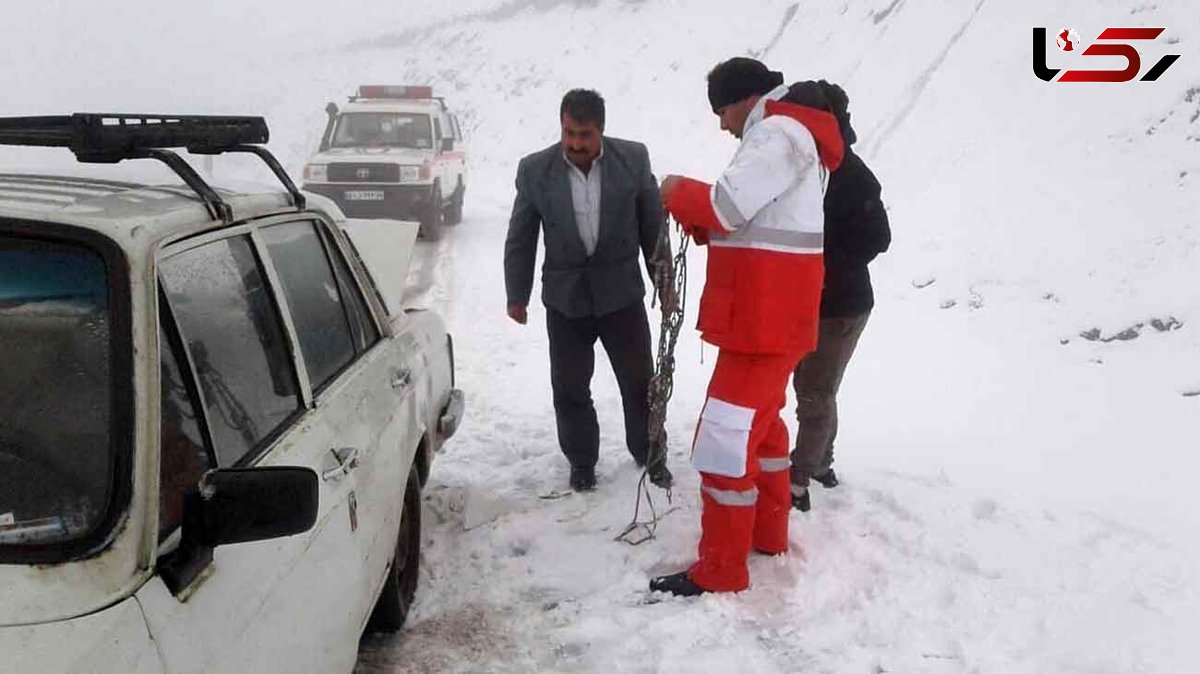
[585, 197]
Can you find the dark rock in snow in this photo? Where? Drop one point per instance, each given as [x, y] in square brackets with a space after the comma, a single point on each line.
[1125, 335]
[1134, 331]
[1166, 325]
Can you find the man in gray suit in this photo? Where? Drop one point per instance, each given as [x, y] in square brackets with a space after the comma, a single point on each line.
[598, 204]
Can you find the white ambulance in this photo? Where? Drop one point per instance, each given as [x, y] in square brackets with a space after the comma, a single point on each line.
[393, 152]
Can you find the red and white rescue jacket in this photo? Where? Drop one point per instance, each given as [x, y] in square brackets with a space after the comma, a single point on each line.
[764, 223]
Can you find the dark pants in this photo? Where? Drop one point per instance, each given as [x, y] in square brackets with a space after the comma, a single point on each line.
[625, 335]
[817, 379]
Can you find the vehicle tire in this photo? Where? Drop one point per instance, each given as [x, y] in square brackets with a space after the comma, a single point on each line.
[396, 597]
[454, 212]
[432, 223]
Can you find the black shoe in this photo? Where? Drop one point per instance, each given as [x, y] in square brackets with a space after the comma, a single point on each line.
[828, 479]
[583, 478]
[660, 476]
[677, 584]
[800, 499]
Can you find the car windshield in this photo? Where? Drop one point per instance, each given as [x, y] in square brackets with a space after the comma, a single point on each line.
[56, 393]
[383, 129]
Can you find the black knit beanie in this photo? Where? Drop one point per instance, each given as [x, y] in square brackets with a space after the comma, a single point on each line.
[739, 78]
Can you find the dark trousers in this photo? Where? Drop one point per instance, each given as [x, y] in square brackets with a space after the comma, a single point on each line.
[625, 335]
[816, 380]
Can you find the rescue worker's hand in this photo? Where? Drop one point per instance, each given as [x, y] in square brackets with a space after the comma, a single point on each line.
[518, 313]
[668, 186]
[698, 234]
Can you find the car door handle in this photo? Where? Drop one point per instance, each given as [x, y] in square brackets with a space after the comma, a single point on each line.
[401, 378]
[347, 458]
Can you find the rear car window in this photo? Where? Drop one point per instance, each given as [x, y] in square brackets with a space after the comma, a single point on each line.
[56, 392]
[236, 341]
[361, 324]
[313, 297]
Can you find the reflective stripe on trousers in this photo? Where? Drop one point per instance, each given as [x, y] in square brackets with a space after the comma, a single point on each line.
[729, 497]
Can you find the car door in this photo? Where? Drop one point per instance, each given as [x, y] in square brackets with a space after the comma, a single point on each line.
[382, 251]
[233, 366]
[368, 402]
[441, 164]
[460, 151]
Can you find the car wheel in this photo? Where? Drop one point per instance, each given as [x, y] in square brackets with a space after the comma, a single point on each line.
[391, 609]
[454, 212]
[431, 224]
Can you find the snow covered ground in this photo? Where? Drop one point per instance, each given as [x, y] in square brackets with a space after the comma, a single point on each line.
[1017, 496]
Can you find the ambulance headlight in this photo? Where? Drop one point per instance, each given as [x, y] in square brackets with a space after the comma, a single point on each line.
[317, 173]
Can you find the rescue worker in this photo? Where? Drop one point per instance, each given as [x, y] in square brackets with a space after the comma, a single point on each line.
[856, 231]
[763, 222]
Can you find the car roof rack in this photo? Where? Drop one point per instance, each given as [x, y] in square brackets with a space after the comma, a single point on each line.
[108, 138]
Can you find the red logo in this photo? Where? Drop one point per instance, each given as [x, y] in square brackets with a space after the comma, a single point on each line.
[1106, 45]
[1067, 39]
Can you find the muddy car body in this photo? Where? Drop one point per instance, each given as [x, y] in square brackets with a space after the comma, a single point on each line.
[216, 423]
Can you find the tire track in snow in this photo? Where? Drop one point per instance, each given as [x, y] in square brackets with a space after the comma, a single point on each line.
[508, 10]
[788, 16]
[918, 87]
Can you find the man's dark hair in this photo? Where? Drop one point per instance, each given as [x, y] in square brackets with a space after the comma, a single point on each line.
[583, 105]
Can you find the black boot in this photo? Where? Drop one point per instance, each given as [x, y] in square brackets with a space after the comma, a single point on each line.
[677, 584]
[800, 499]
[828, 479]
[583, 478]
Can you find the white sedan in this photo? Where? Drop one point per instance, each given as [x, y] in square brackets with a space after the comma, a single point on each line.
[215, 420]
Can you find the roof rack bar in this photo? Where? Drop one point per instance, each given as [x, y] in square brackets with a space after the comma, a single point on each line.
[113, 137]
[269, 159]
[217, 207]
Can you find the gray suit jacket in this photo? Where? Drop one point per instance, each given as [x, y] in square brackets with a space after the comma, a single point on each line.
[631, 218]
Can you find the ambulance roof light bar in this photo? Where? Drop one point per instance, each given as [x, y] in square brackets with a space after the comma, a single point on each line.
[392, 91]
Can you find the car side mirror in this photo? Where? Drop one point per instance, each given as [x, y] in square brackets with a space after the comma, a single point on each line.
[238, 505]
[447, 144]
[331, 113]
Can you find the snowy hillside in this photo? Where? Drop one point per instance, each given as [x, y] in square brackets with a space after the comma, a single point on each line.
[1019, 427]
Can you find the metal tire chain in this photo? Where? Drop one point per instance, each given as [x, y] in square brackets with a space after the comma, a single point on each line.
[662, 384]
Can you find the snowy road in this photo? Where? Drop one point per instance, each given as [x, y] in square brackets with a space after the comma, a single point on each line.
[899, 569]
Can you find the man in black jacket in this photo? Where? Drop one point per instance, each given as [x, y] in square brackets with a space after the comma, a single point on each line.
[856, 230]
[598, 204]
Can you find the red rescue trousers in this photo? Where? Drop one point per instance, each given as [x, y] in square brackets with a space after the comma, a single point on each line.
[741, 450]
